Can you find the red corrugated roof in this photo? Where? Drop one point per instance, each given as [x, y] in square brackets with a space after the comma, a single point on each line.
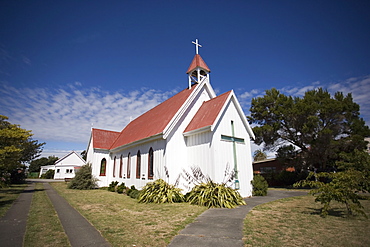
[154, 121]
[207, 113]
[198, 62]
[103, 138]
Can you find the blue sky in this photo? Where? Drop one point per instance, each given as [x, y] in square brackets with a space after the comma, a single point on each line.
[68, 65]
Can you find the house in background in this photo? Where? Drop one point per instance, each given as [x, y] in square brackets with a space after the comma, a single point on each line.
[194, 128]
[368, 145]
[66, 167]
[270, 165]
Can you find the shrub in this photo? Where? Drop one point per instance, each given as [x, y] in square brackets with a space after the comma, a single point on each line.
[83, 179]
[135, 194]
[112, 186]
[260, 185]
[343, 187]
[120, 188]
[48, 175]
[214, 195]
[160, 192]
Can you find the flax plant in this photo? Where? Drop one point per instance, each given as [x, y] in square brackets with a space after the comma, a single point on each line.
[210, 194]
[160, 191]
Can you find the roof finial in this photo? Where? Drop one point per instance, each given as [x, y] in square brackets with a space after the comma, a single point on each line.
[196, 45]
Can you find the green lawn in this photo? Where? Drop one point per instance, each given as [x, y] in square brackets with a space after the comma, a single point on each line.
[8, 196]
[125, 222]
[297, 222]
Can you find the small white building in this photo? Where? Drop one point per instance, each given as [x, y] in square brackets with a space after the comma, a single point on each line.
[194, 128]
[66, 167]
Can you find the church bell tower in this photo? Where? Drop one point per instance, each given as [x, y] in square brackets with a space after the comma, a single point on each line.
[198, 69]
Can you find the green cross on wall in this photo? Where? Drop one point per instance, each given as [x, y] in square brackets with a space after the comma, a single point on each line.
[234, 140]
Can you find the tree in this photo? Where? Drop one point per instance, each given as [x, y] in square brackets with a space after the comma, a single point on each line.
[259, 155]
[36, 164]
[49, 174]
[16, 147]
[343, 187]
[317, 126]
[84, 154]
[83, 180]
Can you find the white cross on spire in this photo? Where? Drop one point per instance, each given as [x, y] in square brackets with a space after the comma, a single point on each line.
[196, 45]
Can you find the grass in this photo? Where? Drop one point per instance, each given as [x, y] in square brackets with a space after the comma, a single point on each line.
[297, 222]
[8, 196]
[125, 222]
[43, 225]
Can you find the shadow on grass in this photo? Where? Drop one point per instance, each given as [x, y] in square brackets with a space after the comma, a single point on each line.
[336, 212]
[6, 202]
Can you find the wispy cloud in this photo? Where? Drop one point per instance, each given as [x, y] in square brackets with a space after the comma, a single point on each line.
[67, 114]
[359, 87]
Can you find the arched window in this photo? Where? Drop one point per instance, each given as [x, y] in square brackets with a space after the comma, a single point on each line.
[128, 165]
[114, 167]
[150, 164]
[103, 167]
[138, 164]
[120, 166]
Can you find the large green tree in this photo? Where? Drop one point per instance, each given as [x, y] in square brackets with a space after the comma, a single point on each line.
[16, 147]
[37, 163]
[308, 131]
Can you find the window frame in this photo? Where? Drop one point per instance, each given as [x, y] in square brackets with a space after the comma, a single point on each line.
[120, 166]
[103, 172]
[138, 164]
[150, 163]
[114, 167]
[129, 165]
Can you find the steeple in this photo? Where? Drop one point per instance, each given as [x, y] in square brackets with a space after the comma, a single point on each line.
[198, 69]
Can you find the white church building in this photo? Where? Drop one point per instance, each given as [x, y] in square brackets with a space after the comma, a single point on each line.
[194, 128]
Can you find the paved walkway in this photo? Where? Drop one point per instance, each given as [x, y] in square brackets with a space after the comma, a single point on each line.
[79, 231]
[218, 227]
[13, 223]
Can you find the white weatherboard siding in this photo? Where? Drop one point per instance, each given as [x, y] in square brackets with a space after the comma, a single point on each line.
[65, 167]
[224, 149]
[158, 148]
[177, 157]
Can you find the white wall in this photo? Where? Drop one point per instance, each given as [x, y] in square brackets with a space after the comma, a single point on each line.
[177, 157]
[223, 150]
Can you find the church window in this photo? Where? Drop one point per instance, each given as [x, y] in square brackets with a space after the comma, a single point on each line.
[150, 164]
[138, 164]
[103, 167]
[120, 167]
[114, 167]
[128, 165]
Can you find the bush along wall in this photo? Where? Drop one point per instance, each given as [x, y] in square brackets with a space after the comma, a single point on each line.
[260, 185]
[210, 194]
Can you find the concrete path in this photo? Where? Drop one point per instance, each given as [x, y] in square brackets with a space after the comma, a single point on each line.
[218, 227]
[79, 231]
[13, 223]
